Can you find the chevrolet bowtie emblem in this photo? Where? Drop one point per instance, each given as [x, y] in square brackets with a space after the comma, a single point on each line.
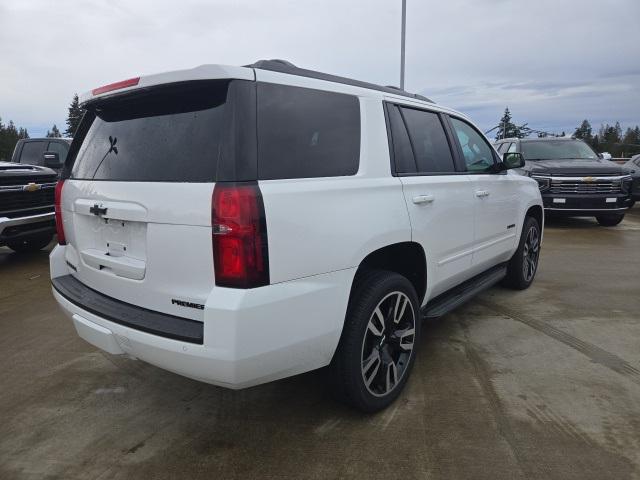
[31, 187]
[588, 179]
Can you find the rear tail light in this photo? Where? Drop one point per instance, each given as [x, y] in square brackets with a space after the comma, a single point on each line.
[240, 251]
[58, 208]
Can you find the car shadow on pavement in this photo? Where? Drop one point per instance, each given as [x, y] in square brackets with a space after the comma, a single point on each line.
[570, 222]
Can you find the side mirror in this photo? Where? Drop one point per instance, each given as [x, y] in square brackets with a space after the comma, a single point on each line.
[52, 160]
[512, 160]
[600, 156]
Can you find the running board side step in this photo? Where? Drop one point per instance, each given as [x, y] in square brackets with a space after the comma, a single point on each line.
[458, 295]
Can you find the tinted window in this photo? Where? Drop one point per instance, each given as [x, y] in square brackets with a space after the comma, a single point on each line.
[429, 142]
[60, 148]
[477, 153]
[169, 134]
[32, 153]
[402, 153]
[557, 150]
[304, 133]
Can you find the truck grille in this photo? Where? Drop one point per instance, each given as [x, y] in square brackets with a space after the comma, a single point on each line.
[598, 186]
[19, 203]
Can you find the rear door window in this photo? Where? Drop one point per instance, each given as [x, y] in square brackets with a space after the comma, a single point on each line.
[32, 153]
[60, 148]
[306, 133]
[429, 141]
[401, 145]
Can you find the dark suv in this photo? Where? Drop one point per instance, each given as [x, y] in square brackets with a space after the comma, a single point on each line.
[574, 180]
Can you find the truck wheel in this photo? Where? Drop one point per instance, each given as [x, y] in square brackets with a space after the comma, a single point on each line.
[30, 244]
[378, 343]
[610, 220]
[523, 266]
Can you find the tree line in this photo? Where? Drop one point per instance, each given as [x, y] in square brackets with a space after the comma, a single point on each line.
[609, 138]
[10, 134]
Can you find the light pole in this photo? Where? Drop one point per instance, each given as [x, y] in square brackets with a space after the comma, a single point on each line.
[403, 34]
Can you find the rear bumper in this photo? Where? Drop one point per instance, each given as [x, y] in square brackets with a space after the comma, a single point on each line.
[586, 204]
[14, 228]
[250, 336]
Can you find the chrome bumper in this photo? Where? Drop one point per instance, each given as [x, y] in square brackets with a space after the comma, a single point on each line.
[6, 222]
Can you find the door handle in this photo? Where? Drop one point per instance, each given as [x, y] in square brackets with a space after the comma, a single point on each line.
[423, 199]
[482, 193]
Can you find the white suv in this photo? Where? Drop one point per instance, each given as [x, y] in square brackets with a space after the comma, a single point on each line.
[238, 225]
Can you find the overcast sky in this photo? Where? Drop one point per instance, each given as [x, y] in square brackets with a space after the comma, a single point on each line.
[553, 62]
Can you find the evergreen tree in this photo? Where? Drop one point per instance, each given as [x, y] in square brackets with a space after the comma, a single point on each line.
[631, 142]
[74, 117]
[609, 134]
[54, 133]
[9, 136]
[508, 129]
[584, 132]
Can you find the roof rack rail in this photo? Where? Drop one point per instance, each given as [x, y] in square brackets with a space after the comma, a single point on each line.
[283, 66]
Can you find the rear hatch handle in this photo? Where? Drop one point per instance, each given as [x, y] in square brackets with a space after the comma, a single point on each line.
[126, 267]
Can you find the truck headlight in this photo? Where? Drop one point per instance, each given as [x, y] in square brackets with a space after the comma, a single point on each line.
[625, 184]
[543, 182]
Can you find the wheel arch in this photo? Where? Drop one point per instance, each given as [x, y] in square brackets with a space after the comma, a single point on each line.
[405, 258]
[536, 212]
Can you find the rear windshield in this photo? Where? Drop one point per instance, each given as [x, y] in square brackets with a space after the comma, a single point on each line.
[172, 134]
[218, 131]
[32, 153]
[557, 150]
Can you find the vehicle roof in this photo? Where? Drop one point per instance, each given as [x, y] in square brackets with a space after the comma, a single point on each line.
[276, 70]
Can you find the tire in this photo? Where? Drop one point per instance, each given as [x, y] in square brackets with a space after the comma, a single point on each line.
[376, 350]
[610, 220]
[30, 244]
[522, 268]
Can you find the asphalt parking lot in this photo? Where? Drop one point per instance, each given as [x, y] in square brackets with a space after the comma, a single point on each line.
[543, 383]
